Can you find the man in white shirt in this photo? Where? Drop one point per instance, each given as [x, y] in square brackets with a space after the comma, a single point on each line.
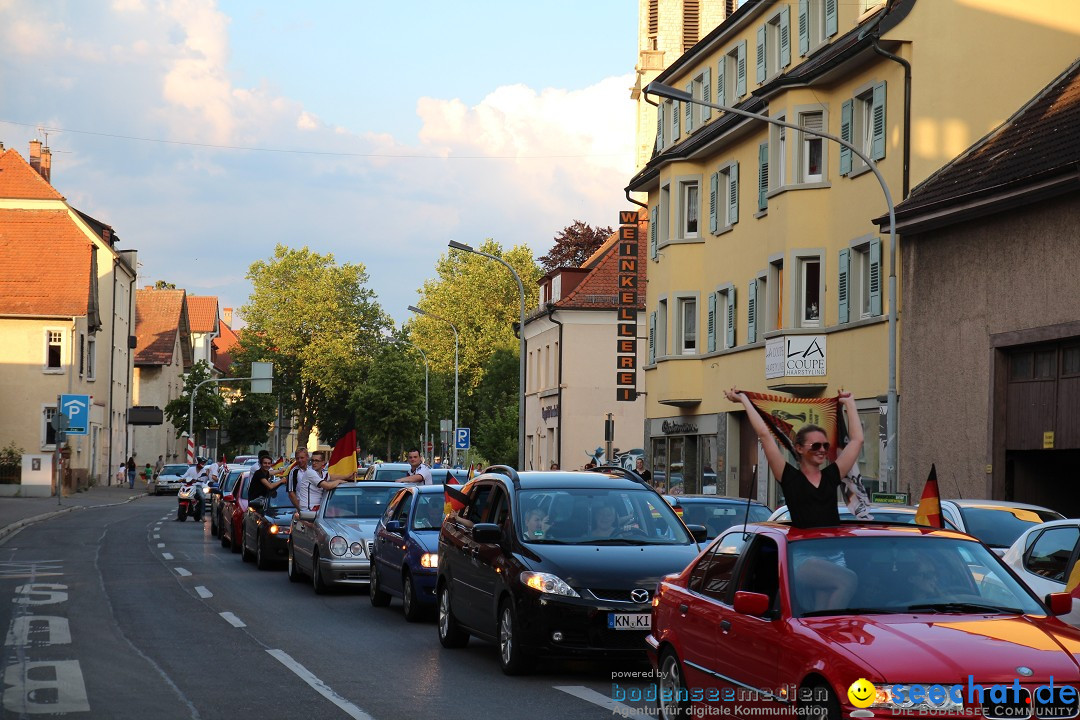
[197, 474]
[313, 482]
[419, 473]
[212, 470]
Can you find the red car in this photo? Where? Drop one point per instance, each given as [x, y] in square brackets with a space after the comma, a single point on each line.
[771, 619]
[234, 504]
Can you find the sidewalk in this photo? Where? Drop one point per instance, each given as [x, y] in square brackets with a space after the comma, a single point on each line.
[18, 512]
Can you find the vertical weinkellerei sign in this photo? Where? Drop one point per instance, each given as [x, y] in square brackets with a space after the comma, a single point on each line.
[626, 335]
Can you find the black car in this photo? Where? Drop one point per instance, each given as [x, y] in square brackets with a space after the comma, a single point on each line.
[717, 512]
[267, 525]
[557, 564]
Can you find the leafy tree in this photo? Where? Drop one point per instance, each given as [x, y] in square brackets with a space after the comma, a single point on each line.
[250, 417]
[162, 285]
[209, 405]
[317, 322]
[574, 245]
[496, 409]
[391, 399]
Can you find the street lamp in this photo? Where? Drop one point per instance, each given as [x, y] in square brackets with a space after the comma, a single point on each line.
[413, 308]
[521, 352]
[423, 355]
[666, 91]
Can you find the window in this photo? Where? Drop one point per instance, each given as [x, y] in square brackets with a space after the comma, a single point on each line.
[778, 155]
[725, 313]
[54, 350]
[1049, 556]
[763, 176]
[654, 23]
[661, 328]
[662, 235]
[82, 354]
[809, 292]
[758, 289]
[731, 76]
[91, 358]
[774, 297]
[652, 338]
[713, 573]
[862, 123]
[660, 115]
[686, 331]
[676, 120]
[691, 209]
[811, 148]
[818, 21]
[700, 88]
[691, 23]
[774, 45]
[859, 286]
[724, 198]
[48, 435]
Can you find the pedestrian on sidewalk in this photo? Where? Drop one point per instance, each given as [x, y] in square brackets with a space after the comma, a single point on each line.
[148, 473]
[159, 465]
[131, 472]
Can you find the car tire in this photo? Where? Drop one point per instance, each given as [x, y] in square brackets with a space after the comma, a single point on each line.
[237, 540]
[294, 572]
[261, 561]
[410, 604]
[451, 635]
[245, 554]
[673, 699]
[224, 540]
[317, 581]
[512, 659]
[377, 596]
[821, 702]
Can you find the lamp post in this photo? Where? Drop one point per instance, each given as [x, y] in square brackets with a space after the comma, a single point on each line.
[423, 355]
[666, 91]
[413, 308]
[521, 352]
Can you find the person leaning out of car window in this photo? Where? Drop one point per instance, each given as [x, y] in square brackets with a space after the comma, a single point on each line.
[262, 484]
[419, 473]
[314, 482]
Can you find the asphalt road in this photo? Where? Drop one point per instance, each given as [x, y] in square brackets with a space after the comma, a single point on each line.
[122, 612]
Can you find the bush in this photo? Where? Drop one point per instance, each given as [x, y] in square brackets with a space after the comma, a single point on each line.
[11, 454]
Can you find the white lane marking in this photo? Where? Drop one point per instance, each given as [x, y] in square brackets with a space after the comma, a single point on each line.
[203, 592]
[161, 544]
[320, 687]
[591, 696]
[232, 619]
[182, 572]
[157, 537]
[167, 556]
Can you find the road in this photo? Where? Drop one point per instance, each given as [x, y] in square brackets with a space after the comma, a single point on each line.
[121, 612]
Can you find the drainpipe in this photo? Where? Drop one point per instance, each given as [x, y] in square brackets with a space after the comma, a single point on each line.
[112, 367]
[907, 110]
[129, 366]
[558, 446]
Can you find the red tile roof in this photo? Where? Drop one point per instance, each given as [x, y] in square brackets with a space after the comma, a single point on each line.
[19, 180]
[203, 313]
[46, 262]
[599, 290]
[158, 319]
[223, 343]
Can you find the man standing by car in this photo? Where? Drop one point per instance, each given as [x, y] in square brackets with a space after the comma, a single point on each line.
[159, 465]
[299, 467]
[313, 483]
[419, 473]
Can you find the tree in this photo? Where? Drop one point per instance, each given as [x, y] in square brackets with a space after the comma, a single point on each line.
[249, 420]
[209, 405]
[574, 245]
[391, 399]
[496, 409]
[316, 321]
[162, 285]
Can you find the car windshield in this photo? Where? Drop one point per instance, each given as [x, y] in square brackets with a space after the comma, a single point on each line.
[598, 516]
[358, 502]
[429, 511]
[279, 499]
[230, 480]
[917, 574]
[389, 474]
[174, 469]
[999, 526]
[719, 516]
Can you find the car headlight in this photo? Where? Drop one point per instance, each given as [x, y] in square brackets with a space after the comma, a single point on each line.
[357, 548]
[429, 560]
[547, 583]
[929, 697]
[339, 545]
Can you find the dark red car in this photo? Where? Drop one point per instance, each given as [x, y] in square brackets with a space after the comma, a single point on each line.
[772, 619]
[234, 504]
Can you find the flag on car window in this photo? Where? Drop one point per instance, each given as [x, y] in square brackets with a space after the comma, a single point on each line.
[456, 499]
[929, 510]
[343, 458]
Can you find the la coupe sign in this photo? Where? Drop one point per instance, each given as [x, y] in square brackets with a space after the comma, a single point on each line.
[795, 356]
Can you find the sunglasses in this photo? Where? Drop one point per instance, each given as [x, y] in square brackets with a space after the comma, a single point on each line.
[815, 447]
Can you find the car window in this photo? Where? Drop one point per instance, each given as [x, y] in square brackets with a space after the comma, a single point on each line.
[358, 502]
[1000, 526]
[498, 507]
[174, 469]
[278, 499]
[430, 510]
[478, 503]
[599, 516]
[761, 570]
[1049, 556]
[715, 569]
[399, 507]
[719, 516]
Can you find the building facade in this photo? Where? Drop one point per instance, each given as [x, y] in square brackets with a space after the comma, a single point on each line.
[162, 356]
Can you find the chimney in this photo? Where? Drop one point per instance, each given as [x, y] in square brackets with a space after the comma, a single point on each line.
[226, 316]
[46, 164]
[35, 155]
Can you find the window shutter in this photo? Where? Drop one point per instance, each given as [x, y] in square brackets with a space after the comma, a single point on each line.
[804, 27]
[730, 321]
[740, 70]
[712, 323]
[763, 176]
[733, 194]
[877, 113]
[751, 313]
[660, 126]
[785, 36]
[761, 54]
[689, 108]
[706, 94]
[846, 113]
[675, 134]
[831, 23]
[652, 231]
[842, 285]
[652, 338]
[875, 277]
[721, 94]
[714, 182]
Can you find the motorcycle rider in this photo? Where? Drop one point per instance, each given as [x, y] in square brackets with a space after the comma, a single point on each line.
[197, 474]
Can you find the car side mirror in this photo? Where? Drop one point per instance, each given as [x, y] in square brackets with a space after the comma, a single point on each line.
[308, 515]
[1060, 603]
[751, 603]
[394, 526]
[228, 497]
[487, 533]
[700, 533]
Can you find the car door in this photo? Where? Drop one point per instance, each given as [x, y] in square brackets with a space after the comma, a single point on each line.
[390, 546]
[1049, 563]
[490, 561]
[466, 592]
[303, 538]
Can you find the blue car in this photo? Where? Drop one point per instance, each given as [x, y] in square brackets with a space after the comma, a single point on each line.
[405, 560]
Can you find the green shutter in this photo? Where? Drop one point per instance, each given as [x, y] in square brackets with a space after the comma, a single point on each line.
[785, 36]
[761, 54]
[711, 323]
[660, 126]
[733, 193]
[689, 108]
[721, 69]
[706, 94]
[877, 115]
[763, 176]
[831, 20]
[844, 283]
[847, 111]
[751, 313]
[804, 27]
[653, 220]
[740, 70]
[675, 134]
[875, 277]
[652, 338]
[714, 182]
[729, 322]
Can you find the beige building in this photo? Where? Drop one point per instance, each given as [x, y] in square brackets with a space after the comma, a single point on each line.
[570, 377]
[162, 356]
[66, 307]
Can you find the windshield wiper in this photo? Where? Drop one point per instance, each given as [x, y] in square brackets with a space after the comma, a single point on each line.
[853, 611]
[617, 541]
[547, 541]
[964, 607]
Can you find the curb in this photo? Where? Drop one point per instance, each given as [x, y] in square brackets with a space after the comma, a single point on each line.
[20, 524]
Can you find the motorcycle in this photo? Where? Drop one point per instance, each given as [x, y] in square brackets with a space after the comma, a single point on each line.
[189, 502]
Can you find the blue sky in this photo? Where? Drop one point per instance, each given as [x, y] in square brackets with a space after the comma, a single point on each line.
[422, 122]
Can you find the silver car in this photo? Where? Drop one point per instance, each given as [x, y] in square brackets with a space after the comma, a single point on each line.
[332, 545]
[170, 478]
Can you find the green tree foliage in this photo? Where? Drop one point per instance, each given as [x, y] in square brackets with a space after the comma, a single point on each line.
[162, 285]
[574, 245]
[317, 322]
[250, 417]
[495, 404]
[390, 401]
[209, 405]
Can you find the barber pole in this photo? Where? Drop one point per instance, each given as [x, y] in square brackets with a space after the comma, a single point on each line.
[191, 450]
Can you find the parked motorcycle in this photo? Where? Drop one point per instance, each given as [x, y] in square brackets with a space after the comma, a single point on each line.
[189, 502]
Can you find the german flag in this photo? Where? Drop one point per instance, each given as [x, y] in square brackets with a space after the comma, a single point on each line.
[929, 510]
[343, 458]
[456, 499]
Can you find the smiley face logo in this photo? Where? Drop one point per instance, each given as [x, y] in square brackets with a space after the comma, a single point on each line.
[862, 693]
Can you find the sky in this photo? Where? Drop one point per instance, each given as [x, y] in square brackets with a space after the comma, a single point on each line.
[206, 132]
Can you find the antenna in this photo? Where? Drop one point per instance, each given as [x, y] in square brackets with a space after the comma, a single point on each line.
[746, 517]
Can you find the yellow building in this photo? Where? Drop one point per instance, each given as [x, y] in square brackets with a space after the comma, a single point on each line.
[766, 271]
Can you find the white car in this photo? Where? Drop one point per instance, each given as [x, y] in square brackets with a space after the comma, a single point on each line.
[996, 522]
[1044, 556]
[170, 478]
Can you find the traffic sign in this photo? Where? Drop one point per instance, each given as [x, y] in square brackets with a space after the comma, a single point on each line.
[77, 409]
[462, 439]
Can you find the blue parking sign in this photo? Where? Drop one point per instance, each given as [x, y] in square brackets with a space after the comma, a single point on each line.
[462, 438]
[77, 410]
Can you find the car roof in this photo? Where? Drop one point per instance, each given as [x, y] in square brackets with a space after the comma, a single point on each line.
[856, 529]
[392, 466]
[992, 504]
[569, 479]
[696, 498]
[344, 486]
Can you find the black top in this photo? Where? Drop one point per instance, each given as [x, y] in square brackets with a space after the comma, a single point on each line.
[811, 506]
[256, 488]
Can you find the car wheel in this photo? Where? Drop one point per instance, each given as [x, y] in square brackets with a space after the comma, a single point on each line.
[409, 602]
[237, 539]
[451, 635]
[511, 658]
[294, 572]
[224, 540]
[245, 554]
[317, 581]
[261, 561]
[820, 702]
[377, 596]
[673, 699]
[213, 524]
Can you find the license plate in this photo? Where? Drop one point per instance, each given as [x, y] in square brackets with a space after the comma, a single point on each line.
[629, 621]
